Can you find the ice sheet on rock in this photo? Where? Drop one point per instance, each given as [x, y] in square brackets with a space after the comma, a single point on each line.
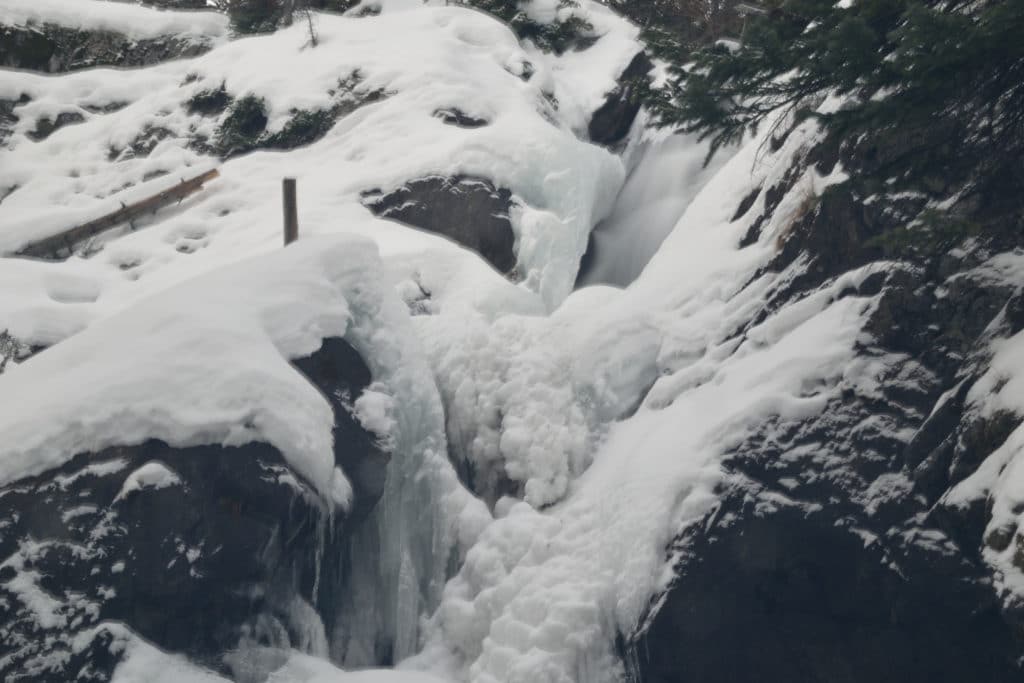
[544, 593]
[400, 555]
[119, 17]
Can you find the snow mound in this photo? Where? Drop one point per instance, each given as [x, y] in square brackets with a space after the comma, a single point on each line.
[133, 21]
[205, 362]
[152, 475]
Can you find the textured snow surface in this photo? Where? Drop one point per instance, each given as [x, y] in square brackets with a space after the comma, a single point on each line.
[424, 59]
[544, 592]
[130, 20]
[593, 421]
[205, 362]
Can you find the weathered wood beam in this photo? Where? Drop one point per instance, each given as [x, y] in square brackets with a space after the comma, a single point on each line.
[291, 211]
[51, 247]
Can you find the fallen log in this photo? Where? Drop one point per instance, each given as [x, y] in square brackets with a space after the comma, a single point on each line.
[64, 242]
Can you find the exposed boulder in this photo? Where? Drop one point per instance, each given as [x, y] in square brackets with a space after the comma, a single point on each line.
[610, 124]
[797, 595]
[470, 211]
[204, 550]
[46, 127]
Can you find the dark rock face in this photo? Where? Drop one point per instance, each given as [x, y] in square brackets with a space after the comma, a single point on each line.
[201, 551]
[792, 597]
[456, 117]
[610, 124]
[470, 211]
[9, 117]
[45, 127]
[55, 49]
[833, 557]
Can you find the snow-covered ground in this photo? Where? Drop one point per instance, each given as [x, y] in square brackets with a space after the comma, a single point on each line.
[609, 407]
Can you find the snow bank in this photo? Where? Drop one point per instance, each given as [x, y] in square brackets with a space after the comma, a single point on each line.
[205, 362]
[127, 19]
[424, 59]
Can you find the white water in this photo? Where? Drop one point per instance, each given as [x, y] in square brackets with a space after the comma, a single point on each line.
[668, 173]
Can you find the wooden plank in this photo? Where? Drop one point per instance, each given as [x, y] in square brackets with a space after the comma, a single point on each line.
[745, 8]
[291, 211]
[65, 241]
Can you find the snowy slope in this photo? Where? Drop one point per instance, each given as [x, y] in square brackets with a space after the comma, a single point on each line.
[549, 444]
[424, 59]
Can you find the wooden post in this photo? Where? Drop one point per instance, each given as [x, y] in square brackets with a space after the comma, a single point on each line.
[291, 212]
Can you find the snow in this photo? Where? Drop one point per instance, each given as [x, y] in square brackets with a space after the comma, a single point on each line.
[152, 475]
[144, 663]
[580, 80]
[545, 591]
[130, 20]
[424, 59]
[608, 410]
[375, 411]
[217, 372]
[669, 172]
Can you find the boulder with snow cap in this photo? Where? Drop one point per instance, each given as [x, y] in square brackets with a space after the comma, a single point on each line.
[469, 211]
[200, 550]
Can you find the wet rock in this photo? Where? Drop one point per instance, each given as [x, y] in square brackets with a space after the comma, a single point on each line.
[610, 124]
[469, 211]
[45, 127]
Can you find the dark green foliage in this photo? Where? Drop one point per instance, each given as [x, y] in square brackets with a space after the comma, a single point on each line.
[569, 32]
[303, 128]
[906, 68]
[242, 127]
[209, 102]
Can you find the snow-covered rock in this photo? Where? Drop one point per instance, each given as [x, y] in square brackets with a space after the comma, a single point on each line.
[776, 449]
